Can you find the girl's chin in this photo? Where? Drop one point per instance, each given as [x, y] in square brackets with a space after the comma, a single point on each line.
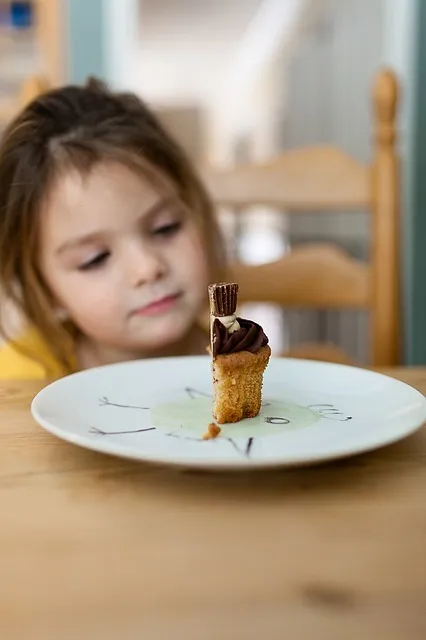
[163, 340]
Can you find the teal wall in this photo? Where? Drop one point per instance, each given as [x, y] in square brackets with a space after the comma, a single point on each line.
[414, 215]
[86, 51]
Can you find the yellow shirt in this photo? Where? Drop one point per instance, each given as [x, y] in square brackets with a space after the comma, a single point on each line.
[15, 365]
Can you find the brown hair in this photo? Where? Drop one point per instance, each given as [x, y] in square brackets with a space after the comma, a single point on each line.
[77, 127]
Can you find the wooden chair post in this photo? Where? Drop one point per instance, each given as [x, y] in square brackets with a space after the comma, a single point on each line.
[32, 87]
[385, 291]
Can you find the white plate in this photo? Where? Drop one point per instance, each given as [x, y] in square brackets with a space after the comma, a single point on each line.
[158, 410]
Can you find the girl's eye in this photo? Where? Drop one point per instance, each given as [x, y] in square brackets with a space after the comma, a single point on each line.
[95, 262]
[168, 229]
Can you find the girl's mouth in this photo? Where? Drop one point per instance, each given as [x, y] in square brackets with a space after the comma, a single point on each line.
[158, 307]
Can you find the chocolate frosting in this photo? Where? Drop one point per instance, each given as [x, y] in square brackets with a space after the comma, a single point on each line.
[250, 337]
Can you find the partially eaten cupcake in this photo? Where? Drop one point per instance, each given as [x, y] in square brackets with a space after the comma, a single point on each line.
[240, 353]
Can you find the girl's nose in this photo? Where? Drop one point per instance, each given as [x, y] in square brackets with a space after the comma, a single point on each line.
[145, 265]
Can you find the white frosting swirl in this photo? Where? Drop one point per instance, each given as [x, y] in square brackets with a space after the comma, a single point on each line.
[230, 322]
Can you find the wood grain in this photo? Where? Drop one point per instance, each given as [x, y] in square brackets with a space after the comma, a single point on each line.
[315, 276]
[321, 178]
[386, 231]
[97, 547]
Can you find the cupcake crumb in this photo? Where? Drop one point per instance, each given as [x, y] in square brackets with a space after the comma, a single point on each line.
[212, 431]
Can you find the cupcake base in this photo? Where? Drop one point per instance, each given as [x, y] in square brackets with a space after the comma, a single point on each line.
[237, 384]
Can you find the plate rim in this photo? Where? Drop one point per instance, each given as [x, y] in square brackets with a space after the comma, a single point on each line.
[122, 451]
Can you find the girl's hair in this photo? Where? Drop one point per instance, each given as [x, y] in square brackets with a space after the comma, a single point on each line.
[75, 128]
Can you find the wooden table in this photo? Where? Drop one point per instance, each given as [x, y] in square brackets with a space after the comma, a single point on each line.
[93, 547]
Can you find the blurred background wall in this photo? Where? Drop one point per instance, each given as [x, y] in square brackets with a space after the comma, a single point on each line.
[245, 79]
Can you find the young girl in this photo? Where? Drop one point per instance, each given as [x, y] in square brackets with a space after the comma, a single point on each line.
[107, 238]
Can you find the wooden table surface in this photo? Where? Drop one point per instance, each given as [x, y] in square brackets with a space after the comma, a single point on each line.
[97, 547]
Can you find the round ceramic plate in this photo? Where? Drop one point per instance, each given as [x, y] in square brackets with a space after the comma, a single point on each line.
[158, 411]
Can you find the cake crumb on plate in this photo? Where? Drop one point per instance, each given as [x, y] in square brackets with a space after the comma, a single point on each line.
[212, 431]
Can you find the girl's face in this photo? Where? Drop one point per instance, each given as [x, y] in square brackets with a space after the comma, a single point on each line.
[127, 264]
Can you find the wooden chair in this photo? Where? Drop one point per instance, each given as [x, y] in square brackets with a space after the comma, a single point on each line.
[325, 179]
[32, 87]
